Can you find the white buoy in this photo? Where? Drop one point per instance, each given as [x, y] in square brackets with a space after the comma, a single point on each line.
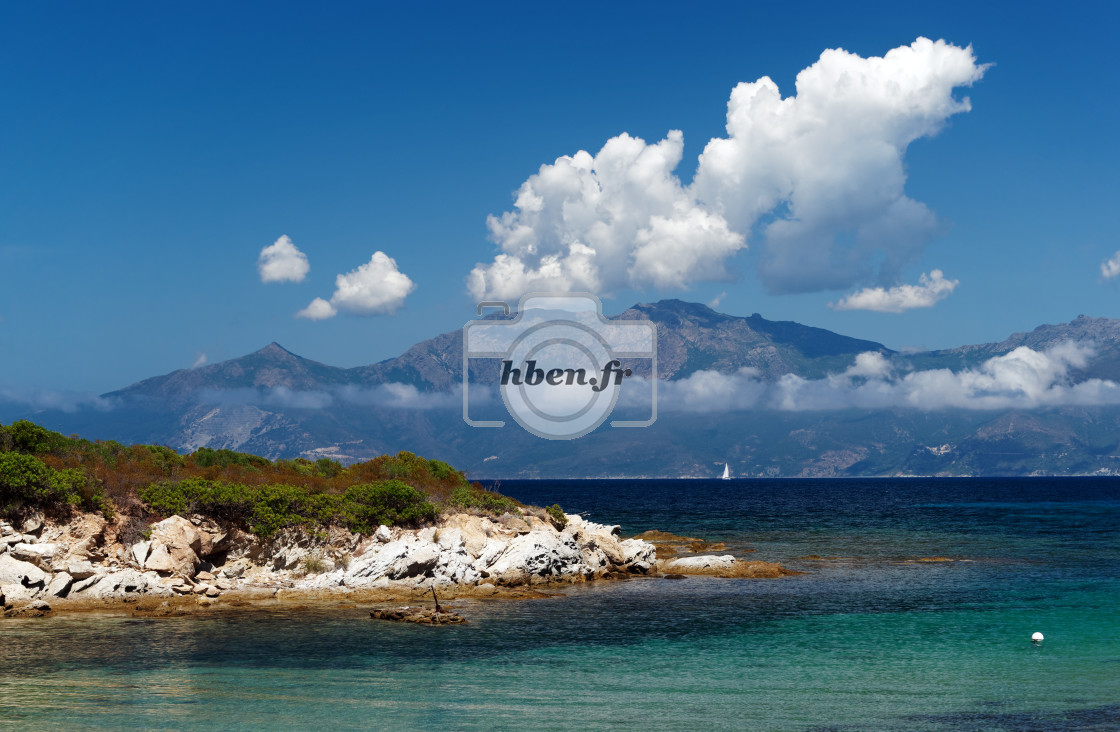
[1036, 637]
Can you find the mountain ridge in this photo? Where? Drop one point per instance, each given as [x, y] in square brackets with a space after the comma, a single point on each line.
[278, 404]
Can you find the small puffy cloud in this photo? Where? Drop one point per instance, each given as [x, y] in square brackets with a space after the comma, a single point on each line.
[930, 290]
[376, 287]
[318, 309]
[818, 178]
[282, 261]
[200, 361]
[1111, 266]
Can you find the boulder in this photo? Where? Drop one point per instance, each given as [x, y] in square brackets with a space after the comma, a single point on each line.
[175, 543]
[639, 555]
[382, 534]
[38, 554]
[476, 531]
[17, 572]
[32, 523]
[15, 595]
[80, 570]
[60, 585]
[140, 552]
[84, 584]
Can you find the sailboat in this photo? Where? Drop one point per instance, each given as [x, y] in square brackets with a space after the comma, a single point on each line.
[726, 472]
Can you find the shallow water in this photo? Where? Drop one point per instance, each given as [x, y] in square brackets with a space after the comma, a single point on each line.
[868, 640]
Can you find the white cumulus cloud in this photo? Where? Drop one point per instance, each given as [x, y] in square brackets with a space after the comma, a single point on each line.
[282, 261]
[818, 178]
[606, 221]
[376, 287]
[930, 290]
[318, 309]
[1111, 266]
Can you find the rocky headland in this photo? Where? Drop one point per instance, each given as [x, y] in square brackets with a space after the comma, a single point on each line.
[195, 562]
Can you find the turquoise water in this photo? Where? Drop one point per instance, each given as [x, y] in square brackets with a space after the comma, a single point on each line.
[869, 640]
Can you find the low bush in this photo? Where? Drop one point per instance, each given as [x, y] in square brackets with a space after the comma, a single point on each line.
[389, 502]
[27, 483]
[556, 515]
[268, 508]
[473, 498]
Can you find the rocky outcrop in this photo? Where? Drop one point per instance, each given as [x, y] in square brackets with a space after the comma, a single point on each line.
[91, 560]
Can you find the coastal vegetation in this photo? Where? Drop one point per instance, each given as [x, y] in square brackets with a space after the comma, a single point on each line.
[41, 470]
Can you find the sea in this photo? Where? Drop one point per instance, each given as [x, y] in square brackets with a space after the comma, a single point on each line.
[915, 611]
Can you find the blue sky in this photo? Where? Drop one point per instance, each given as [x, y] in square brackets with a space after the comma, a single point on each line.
[149, 153]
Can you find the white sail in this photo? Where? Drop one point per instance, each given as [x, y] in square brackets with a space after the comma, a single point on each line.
[726, 472]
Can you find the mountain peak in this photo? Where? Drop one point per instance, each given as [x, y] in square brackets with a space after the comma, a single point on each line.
[274, 349]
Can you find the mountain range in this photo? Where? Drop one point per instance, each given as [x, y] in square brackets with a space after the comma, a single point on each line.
[1007, 410]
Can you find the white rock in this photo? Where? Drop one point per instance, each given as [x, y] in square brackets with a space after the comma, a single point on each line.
[60, 585]
[176, 545]
[408, 556]
[16, 572]
[140, 551]
[540, 553]
[81, 570]
[85, 584]
[128, 582]
[382, 534]
[32, 523]
[325, 581]
[17, 594]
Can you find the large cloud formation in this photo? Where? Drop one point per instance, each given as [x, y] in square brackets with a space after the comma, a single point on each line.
[1021, 379]
[817, 178]
[375, 288]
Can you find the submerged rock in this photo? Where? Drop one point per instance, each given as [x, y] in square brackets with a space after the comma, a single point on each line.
[421, 615]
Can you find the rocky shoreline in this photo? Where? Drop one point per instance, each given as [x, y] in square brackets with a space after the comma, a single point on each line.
[192, 562]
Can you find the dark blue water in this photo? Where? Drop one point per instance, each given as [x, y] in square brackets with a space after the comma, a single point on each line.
[871, 637]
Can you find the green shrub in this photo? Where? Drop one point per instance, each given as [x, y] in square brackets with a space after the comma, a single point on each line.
[471, 498]
[268, 508]
[204, 457]
[313, 564]
[265, 509]
[30, 438]
[328, 468]
[556, 514]
[164, 458]
[388, 502]
[27, 483]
